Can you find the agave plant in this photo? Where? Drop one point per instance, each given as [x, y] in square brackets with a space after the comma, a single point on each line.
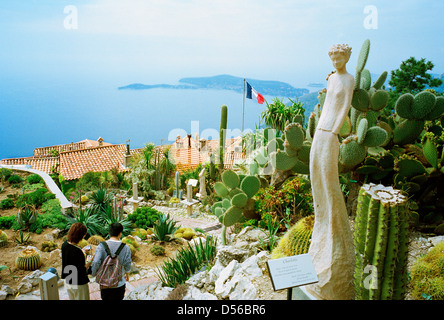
[89, 217]
[188, 261]
[101, 199]
[164, 228]
[26, 216]
[109, 216]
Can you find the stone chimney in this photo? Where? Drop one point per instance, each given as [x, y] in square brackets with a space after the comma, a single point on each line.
[189, 140]
[100, 141]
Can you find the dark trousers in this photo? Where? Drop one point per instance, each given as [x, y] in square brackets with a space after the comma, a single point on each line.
[113, 293]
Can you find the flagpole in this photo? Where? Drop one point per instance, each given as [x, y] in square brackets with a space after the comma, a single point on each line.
[243, 108]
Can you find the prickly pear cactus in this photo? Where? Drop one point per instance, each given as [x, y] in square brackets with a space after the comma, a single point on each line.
[237, 193]
[414, 111]
[295, 155]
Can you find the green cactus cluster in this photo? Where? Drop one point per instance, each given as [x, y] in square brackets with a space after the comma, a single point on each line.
[292, 152]
[237, 193]
[414, 111]
[380, 239]
[353, 149]
[296, 240]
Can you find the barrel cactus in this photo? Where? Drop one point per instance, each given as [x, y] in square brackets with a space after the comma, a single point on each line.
[28, 259]
[296, 240]
[380, 241]
[3, 238]
[95, 239]
[427, 275]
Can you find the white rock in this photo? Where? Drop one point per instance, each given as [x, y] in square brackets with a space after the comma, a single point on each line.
[24, 287]
[250, 267]
[436, 240]
[3, 295]
[8, 289]
[223, 284]
[243, 289]
[195, 294]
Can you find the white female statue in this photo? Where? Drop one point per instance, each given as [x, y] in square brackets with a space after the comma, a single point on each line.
[331, 246]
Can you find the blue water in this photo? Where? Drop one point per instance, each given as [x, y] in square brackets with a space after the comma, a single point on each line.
[37, 114]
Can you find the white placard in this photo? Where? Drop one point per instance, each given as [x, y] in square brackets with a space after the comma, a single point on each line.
[292, 271]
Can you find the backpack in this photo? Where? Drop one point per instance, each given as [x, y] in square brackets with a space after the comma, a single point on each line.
[111, 271]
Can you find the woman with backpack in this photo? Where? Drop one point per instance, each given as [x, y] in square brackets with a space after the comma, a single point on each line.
[76, 264]
[111, 265]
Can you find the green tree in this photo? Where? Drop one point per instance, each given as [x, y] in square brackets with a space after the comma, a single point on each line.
[412, 76]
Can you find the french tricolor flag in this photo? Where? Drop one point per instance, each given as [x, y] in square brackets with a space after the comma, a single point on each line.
[250, 92]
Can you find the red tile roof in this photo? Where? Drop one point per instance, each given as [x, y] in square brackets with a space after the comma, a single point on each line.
[74, 164]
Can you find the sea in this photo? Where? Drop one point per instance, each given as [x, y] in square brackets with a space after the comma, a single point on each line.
[46, 113]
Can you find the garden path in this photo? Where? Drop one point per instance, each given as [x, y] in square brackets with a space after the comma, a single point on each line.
[207, 223]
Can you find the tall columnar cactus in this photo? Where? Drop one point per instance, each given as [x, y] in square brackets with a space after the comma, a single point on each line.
[414, 111]
[380, 241]
[222, 136]
[237, 202]
[296, 240]
[177, 183]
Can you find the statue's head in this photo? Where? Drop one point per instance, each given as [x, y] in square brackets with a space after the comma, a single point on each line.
[339, 54]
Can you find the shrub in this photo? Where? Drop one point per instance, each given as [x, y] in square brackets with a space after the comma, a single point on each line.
[7, 222]
[5, 173]
[144, 217]
[14, 179]
[34, 178]
[51, 217]
[6, 203]
[35, 198]
[295, 195]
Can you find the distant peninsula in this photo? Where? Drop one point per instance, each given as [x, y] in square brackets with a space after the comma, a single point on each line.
[226, 82]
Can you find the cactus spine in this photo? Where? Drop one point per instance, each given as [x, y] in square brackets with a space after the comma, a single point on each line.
[381, 243]
[28, 259]
[296, 240]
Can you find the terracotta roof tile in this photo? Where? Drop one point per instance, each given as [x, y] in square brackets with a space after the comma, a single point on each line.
[74, 164]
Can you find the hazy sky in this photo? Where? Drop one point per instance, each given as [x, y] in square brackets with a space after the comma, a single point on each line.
[153, 41]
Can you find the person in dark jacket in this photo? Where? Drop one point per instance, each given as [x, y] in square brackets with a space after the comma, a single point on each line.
[76, 264]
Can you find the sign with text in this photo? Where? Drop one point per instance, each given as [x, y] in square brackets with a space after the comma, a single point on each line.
[292, 271]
